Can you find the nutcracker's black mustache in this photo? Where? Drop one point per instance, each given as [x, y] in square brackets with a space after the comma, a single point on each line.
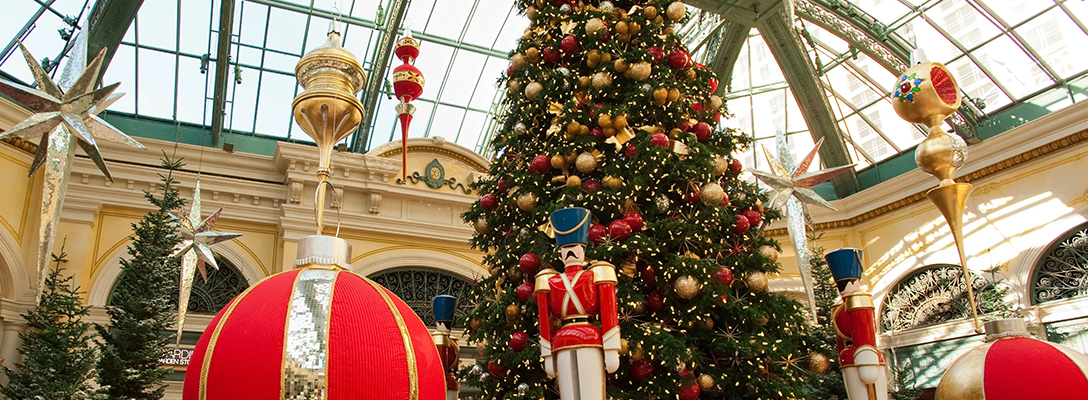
[570, 254]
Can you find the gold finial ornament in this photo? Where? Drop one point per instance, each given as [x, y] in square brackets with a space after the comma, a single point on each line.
[328, 110]
[927, 94]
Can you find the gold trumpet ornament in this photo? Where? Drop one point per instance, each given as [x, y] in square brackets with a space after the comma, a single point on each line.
[926, 94]
[327, 109]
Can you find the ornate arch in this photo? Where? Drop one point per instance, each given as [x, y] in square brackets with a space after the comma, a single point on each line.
[394, 257]
[1062, 270]
[931, 295]
[418, 286]
[15, 282]
[211, 296]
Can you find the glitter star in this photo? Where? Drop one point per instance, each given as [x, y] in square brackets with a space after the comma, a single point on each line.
[799, 182]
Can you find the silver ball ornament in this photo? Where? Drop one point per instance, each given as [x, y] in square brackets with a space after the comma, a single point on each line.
[606, 6]
[476, 370]
[523, 388]
[520, 128]
[485, 377]
[662, 203]
[565, 8]
[564, 71]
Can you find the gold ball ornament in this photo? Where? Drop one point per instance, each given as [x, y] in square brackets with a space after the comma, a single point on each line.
[721, 165]
[586, 163]
[712, 193]
[513, 273]
[619, 122]
[526, 201]
[640, 71]
[574, 181]
[533, 55]
[686, 287]
[650, 12]
[612, 182]
[705, 324]
[533, 89]
[518, 61]
[769, 251]
[513, 312]
[624, 347]
[558, 161]
[636, 353]
[601, 80]
[622, 28]
[674, 94]
[756, 282]
[594, 25]
[621, 66]
[818, 363]
[513, 86]
[712, 103]
[676, 11]
[661, 95]
[480, 225]
[475, 323]
[706, 382]
[481, 349]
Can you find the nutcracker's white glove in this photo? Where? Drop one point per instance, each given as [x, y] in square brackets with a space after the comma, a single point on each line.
[868, 362]
[611, 349]
[546, 353]
[611, 360]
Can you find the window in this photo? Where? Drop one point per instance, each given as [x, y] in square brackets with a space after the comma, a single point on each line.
[418, 287]
[930, 296]
[1062, 272]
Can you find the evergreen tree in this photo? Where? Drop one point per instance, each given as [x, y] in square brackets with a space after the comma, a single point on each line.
[58, 359]
[142, 308]
[605, 110]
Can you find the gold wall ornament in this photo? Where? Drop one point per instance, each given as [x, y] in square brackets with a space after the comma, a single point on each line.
[926, 94]
[327, 109]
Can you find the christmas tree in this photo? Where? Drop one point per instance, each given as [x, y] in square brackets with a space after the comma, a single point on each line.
[606, 110]
[142, 308]
[58, 359]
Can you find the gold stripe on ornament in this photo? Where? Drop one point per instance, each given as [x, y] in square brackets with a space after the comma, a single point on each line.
[206, 365]
[304, 373]
[409, 350]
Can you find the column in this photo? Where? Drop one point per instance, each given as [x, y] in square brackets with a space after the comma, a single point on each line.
[9, 346]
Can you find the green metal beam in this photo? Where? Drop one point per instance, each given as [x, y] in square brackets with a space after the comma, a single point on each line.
[734, 35]
[109, 21]
[222, 68]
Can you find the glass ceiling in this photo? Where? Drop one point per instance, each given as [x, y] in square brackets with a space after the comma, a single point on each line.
[1001, 51]
[166, 61]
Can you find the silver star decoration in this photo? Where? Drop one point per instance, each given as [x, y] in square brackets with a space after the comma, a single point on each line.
[74, 109]
[799, 182]
[196, 236]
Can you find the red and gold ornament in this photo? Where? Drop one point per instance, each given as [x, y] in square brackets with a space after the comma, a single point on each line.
[496, 369]
[655, 302]
[634, 220]
[648, 277]
[569, 44]
[702, 131]
[407, 85]
[689, 391]
[591, 185]
[660, 140]
[541, 164]
[735, 166]
[679, 59]
[754, 217]
[724, 276]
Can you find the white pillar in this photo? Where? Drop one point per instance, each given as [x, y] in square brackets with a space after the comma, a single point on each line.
[9, 346]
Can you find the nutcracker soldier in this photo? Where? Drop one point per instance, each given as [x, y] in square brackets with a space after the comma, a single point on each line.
[577, 295]
[854, 320]
[448, 350]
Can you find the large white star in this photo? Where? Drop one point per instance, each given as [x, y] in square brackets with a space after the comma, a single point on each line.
[799, 182]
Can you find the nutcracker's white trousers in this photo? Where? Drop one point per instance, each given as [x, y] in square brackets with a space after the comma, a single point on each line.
[581, 373]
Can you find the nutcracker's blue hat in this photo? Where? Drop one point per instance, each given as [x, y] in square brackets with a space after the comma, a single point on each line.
[845, 264]
[571, 226]
[442, 307]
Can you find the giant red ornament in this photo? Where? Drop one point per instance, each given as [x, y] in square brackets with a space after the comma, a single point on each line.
[597, 232]
[529, 264]
[518, 341]
[318, 327]
[642, 369]
[679, 59]
[754, 217]
[724, 276]
[741, 225]
[655, 302]
[408, 86]
[489, 202]
[660, 140]
[540, 164]
[689, 391]
[634, 220]
[569, 44]
[702, 131]
[619, 230]
[525, 290]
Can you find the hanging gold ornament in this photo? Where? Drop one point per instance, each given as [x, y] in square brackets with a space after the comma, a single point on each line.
[706, 382]
[686, 287]
[475, 324]
[514, 86]
[769, 251]
[558, 161]
[676, 11]
[705, 324]
[622, 28]
[513, 273]
[480, 225]
[481, 349]
[712, 103]
[513, 313]
[518, 61]
[818, 363]
[674, 94]
[712, 193]
[661, 95]
[533, 55]
[586, 163]
[526, 201]
[756, 282]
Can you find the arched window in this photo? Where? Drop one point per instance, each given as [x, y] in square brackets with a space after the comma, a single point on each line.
[208, 298]
[929, 296]
[418, 286]
[1062, 272]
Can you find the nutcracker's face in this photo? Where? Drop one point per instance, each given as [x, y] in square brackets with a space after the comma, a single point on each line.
[572, 254]
[848, 286]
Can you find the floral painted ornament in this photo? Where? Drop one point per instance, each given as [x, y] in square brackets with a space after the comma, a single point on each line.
[908, 86]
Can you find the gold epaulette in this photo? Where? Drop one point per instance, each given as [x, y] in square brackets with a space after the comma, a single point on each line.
[542, 279]
[603, 272]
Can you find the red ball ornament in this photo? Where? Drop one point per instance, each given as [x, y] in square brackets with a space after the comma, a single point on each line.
[525, 290]
[597, 232]
[569, 44]
[619, 230]
[735, 166]
[689, 391]
[754, 217]
[629, 151]
[660, 140]
[679, 59]
[702, 131]
[501, 186]
[656, 53]
[655, 302]
[495, 369]
[634, 220]
[741, 225]
[591, 185]
[510, 70]
[489, 202]
[406, 82]
[551, 55]
[517, 342]
[724, 276]
[541, 164]
[529, 264]
[725, 201]
[648, 277]
[597, 132]
[684, 126]
[642, 369]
